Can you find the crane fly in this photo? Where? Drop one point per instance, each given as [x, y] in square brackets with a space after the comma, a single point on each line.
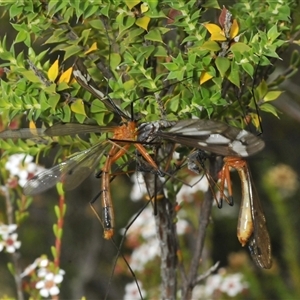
[251, 229]
[208, 135]
[212, 136]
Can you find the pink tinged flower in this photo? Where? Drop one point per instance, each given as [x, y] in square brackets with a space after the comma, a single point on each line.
[48, 286]
[10, 243]
[132, 292]
[232, 285]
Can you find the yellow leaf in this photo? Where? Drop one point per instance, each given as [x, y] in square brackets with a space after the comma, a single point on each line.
[66, 76]
[92, 48]
[256, 120]
[205, 77]
[234, 30]
[78, 107]
[53, 71]
[32, 125]
[143, 22]
[144, 7]
[216, 32]
[132, 3]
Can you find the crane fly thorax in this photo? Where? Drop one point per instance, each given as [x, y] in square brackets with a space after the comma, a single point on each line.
[126, 131]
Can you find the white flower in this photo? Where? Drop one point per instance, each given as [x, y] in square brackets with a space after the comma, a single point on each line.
[197, 183]
[132, 292]
[232, 285]
[10, 243]
[212, 284]
[143, 225]
[48, 286]
[181, 226]
[199, 292]
[7, 229]
[143, 254]
[139, 187]
[21, 165]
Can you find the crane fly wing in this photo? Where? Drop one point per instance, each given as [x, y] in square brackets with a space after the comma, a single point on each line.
[85, 80]
[58, 129]
[71, 172]
[259, 243]
[24, 133]
[252, 229]
[213, 136]
[75, 128]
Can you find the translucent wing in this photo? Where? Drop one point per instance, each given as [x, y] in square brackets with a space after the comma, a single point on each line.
[259, 243]
[251, 229]
[72, 172]
[85, 80]
[59, 129]
[213, 136]
[25, 133]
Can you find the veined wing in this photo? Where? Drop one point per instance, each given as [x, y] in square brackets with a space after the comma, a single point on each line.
[24, 133]
[259, 243]
[59, 129]
[252, 229]
[85, 80]
[213, 136]
[71, 172]
[75, 128]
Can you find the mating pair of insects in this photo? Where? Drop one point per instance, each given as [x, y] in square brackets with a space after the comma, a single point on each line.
[207, 135]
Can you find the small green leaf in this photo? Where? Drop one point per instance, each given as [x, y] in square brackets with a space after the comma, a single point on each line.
[71, 50]
[53, 251]
[80, 118]
[269, 108]
[222, 64]
[273, 95]
[262, 89]
[154, 35]
[234, 77]
[55, 227]
[98, 106]
[248, 68]
[115, 60]
[171, 66]
[53, 101]
[29, 75]
[208, 45]
[240, 47]
[66, 114]
[11, 268]
[160, 52]
[97, 24]
[78, 107]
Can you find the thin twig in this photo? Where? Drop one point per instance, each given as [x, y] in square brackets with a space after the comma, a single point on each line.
[166, 233]
[204, 216]
[15, 255]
